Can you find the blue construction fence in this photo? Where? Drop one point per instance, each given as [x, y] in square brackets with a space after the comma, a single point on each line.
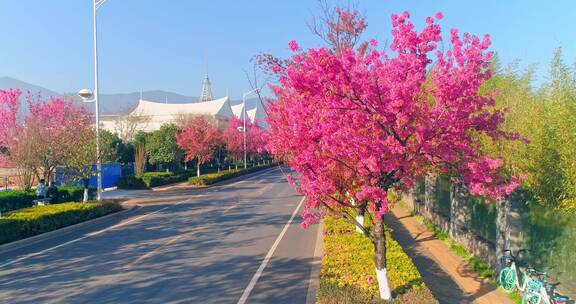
[111, 172]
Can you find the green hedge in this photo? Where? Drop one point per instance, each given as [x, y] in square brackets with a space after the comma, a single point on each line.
[23, 223]
[13, 200]
[131, 182]
[348, 272]
[74, 193]
[211, 178]
[153, 179]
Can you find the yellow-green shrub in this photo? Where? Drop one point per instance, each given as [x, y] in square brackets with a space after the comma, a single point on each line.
[28, 222]
[348, 269]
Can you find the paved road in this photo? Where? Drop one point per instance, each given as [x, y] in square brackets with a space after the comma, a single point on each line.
[205, 248]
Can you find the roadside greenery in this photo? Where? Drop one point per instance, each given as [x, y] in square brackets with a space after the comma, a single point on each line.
[23, 223]
[546, 119]
[348, 272]
[13, 200]
[211, 178]
[161, 146]
[153, 179]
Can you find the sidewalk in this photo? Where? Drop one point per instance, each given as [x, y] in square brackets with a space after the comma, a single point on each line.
[450, 279]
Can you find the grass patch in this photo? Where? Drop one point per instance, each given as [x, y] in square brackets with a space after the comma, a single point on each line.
[27, 222]
[348, 272]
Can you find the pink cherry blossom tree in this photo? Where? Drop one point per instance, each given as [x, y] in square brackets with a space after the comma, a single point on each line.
[49, 135]
[256, 139]
[9, 106]
[357, 123]
[234, 138]
[199, 138]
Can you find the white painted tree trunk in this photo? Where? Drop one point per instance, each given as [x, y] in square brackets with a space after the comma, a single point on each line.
[383, 286]
[359, 217]
[198, 169]
[360, 220]
[380, 259]
[85, 198]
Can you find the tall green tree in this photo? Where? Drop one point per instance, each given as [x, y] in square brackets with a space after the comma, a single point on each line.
[161, 146]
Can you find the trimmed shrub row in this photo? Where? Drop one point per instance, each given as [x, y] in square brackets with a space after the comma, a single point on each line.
[211, 178]
[348, 272]
[153, 179]
[13, 200]
[23, 223]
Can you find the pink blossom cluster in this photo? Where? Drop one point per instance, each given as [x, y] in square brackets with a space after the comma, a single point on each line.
[8, 121]
[357, 123]
[198, 137]
[53, 130]
[234, 138]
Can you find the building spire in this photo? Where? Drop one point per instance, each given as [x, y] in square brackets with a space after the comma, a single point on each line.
[206, 92]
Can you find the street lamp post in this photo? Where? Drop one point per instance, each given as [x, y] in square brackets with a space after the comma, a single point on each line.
[244, 129]
[87, 94]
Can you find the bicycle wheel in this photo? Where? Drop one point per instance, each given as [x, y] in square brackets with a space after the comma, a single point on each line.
[529, 298]
[507, 279]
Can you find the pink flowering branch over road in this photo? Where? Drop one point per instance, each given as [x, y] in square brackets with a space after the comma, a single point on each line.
[356, 123]
[363, 122]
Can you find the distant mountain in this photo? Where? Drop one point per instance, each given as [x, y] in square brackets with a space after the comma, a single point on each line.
[11, 83]
[117, 104]
[110, 104]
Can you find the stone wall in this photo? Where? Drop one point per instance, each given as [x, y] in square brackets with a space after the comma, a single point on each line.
[510, 235]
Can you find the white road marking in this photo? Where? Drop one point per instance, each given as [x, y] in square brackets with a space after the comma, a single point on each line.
[260, 270]
[118, 225]
[88, 235]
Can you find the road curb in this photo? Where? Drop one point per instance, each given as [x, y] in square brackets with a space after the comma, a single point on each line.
[314, 281]
[64, 230]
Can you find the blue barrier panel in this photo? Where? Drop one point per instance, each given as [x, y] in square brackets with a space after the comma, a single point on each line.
[111, 172]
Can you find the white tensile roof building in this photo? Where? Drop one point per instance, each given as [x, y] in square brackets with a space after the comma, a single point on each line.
[156, 114]
[150, 115]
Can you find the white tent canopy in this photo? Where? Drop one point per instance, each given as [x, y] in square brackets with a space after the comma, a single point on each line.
[157, 113]
[151, 115]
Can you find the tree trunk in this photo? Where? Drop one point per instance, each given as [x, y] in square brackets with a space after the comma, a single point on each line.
[85, 198]
[380, 259]
[86, 184]
[198, 168]
[360, 211]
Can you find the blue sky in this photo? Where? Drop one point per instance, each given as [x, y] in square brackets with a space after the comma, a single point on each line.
[169, 44]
